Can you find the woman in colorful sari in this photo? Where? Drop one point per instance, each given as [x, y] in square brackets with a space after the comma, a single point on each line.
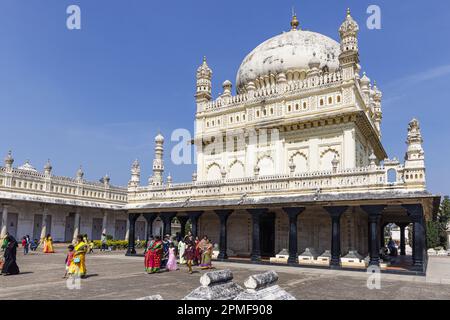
[155, 251]
[206, 255]
[198, 251]
[181, 249]
[78, 265]
[189, 253]
[48, 244]
[10, 266]
[150, 242]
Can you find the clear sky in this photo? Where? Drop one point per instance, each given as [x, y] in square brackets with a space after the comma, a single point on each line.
[98, 96]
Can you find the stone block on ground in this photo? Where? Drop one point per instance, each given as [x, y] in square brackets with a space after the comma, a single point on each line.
[215, 285]
[263, 287]
[431, 252]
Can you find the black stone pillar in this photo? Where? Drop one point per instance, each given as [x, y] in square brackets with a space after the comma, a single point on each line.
[293, 214]
[183, 220]
[223, 216]
[256, 239]
[132, 217]
[150, 217]
[383, 225]
[374, 213]
[402, 227]
[415, 212]
[193, 217]
[167, 218]
[335, 214]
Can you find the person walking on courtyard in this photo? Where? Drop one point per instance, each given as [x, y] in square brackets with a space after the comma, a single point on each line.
[155, 252]
[69, 259]
[103, 240]
[48, 244]
[78, 264]
[172, 262]
[207, 248]
[10, 266]
[189, 253]
[25, 245]
[181, 249]
[197, 251]
[150, 242]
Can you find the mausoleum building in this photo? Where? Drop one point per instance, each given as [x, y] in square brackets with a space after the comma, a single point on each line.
[293, 159]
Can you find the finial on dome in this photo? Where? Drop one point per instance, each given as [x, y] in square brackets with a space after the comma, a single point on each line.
[294, 21]
[348, 12]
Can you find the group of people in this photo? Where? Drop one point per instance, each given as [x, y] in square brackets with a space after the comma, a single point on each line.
[163, 253]
[76, 258]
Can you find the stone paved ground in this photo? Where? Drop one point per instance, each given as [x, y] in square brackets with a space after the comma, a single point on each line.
[114, 276]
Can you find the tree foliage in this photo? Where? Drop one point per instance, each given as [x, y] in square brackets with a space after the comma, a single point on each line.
[437, 229]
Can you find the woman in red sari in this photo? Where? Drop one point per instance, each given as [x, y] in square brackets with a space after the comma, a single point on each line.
[198, 253]
[153, 256]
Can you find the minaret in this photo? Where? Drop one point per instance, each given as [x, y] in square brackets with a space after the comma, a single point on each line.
[135, 175]
[80, 175]
[349, 57]
[9, 160]
[415, 156]
[48, 169]
[158, 162]
[378, 114]
[203, 93]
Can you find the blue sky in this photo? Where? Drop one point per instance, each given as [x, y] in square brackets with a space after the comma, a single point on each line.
[98, 96]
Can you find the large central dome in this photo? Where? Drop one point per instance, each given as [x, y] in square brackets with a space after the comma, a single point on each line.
[289, 51]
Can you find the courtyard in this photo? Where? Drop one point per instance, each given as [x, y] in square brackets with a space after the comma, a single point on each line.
[112, 275]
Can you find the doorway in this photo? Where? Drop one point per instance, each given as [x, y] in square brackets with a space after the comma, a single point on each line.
[70, 227]
[267, 235]
[97, 224]
[37, 227]
[11, 224]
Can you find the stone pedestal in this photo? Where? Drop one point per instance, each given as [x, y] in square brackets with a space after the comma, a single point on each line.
[215, 285]
[353, 260]
[263, 287]
[308, 256]
[281, 257]
[324, 259]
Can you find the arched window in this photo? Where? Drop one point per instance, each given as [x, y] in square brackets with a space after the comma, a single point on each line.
[392, 176]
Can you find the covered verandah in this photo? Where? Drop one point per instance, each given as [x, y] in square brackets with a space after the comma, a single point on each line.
[374, 211]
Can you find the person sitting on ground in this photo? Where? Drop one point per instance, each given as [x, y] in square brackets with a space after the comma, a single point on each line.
[392, 248]
[34, 244]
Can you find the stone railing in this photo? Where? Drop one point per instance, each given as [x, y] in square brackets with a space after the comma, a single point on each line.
[371, 178]
[40, 184]
[272, 90]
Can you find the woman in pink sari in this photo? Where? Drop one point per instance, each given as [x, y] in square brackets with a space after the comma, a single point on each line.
[172, 262]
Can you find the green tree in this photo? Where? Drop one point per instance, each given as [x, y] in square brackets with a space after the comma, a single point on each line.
[437, 229]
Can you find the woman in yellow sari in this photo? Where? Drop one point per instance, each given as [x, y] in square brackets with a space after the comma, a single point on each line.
[78, 265]
[48, 244]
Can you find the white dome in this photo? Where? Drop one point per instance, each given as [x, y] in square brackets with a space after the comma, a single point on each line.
[289, 51]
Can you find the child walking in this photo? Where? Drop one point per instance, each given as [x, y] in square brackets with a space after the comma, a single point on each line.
[172, 263]
[69, 259]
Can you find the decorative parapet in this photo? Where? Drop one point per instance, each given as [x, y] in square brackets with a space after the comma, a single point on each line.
[273, 90]
[17, 181]
[361, 179]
